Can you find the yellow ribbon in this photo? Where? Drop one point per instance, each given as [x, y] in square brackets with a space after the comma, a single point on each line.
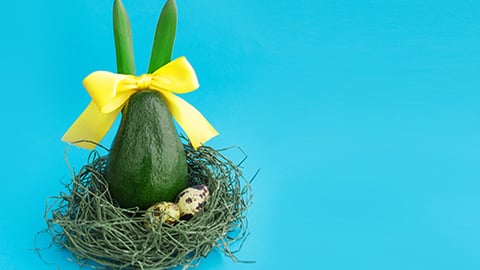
[110, 91]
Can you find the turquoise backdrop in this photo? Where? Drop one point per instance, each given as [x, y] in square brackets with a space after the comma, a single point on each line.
[362, 116]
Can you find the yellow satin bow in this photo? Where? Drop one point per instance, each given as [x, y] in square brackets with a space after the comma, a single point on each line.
[110, 91]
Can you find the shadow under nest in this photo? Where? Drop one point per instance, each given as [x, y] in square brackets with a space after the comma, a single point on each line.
[86, 221]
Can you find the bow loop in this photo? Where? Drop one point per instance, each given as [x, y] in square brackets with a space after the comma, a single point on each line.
[110, 92]
[177, 76]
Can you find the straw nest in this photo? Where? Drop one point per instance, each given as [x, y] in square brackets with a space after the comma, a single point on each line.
[86, 220]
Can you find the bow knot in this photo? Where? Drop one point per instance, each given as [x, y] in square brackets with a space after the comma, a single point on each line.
[111, 91]
[144, 81]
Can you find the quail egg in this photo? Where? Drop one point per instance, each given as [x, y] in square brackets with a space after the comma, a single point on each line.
[162, 212]
[191, 200]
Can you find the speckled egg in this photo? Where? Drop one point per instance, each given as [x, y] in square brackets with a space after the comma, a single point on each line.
[162, 212]
[191, 200]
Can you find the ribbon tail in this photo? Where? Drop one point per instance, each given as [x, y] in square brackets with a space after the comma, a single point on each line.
[90, 127]
[197, 128]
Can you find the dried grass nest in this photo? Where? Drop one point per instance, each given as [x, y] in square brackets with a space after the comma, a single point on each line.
[86, 221]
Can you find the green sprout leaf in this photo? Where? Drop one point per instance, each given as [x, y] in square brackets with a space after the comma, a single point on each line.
[123, 39]
[164, 36]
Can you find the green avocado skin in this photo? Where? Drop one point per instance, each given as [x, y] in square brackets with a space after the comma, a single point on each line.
[147, 161]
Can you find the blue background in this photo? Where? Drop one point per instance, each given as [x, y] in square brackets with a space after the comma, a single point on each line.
[363, 117]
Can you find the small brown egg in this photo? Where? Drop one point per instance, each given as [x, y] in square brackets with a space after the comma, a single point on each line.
[162, 212]
[191, 200]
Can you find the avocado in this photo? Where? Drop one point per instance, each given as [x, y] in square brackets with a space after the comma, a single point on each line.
[147, 162]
